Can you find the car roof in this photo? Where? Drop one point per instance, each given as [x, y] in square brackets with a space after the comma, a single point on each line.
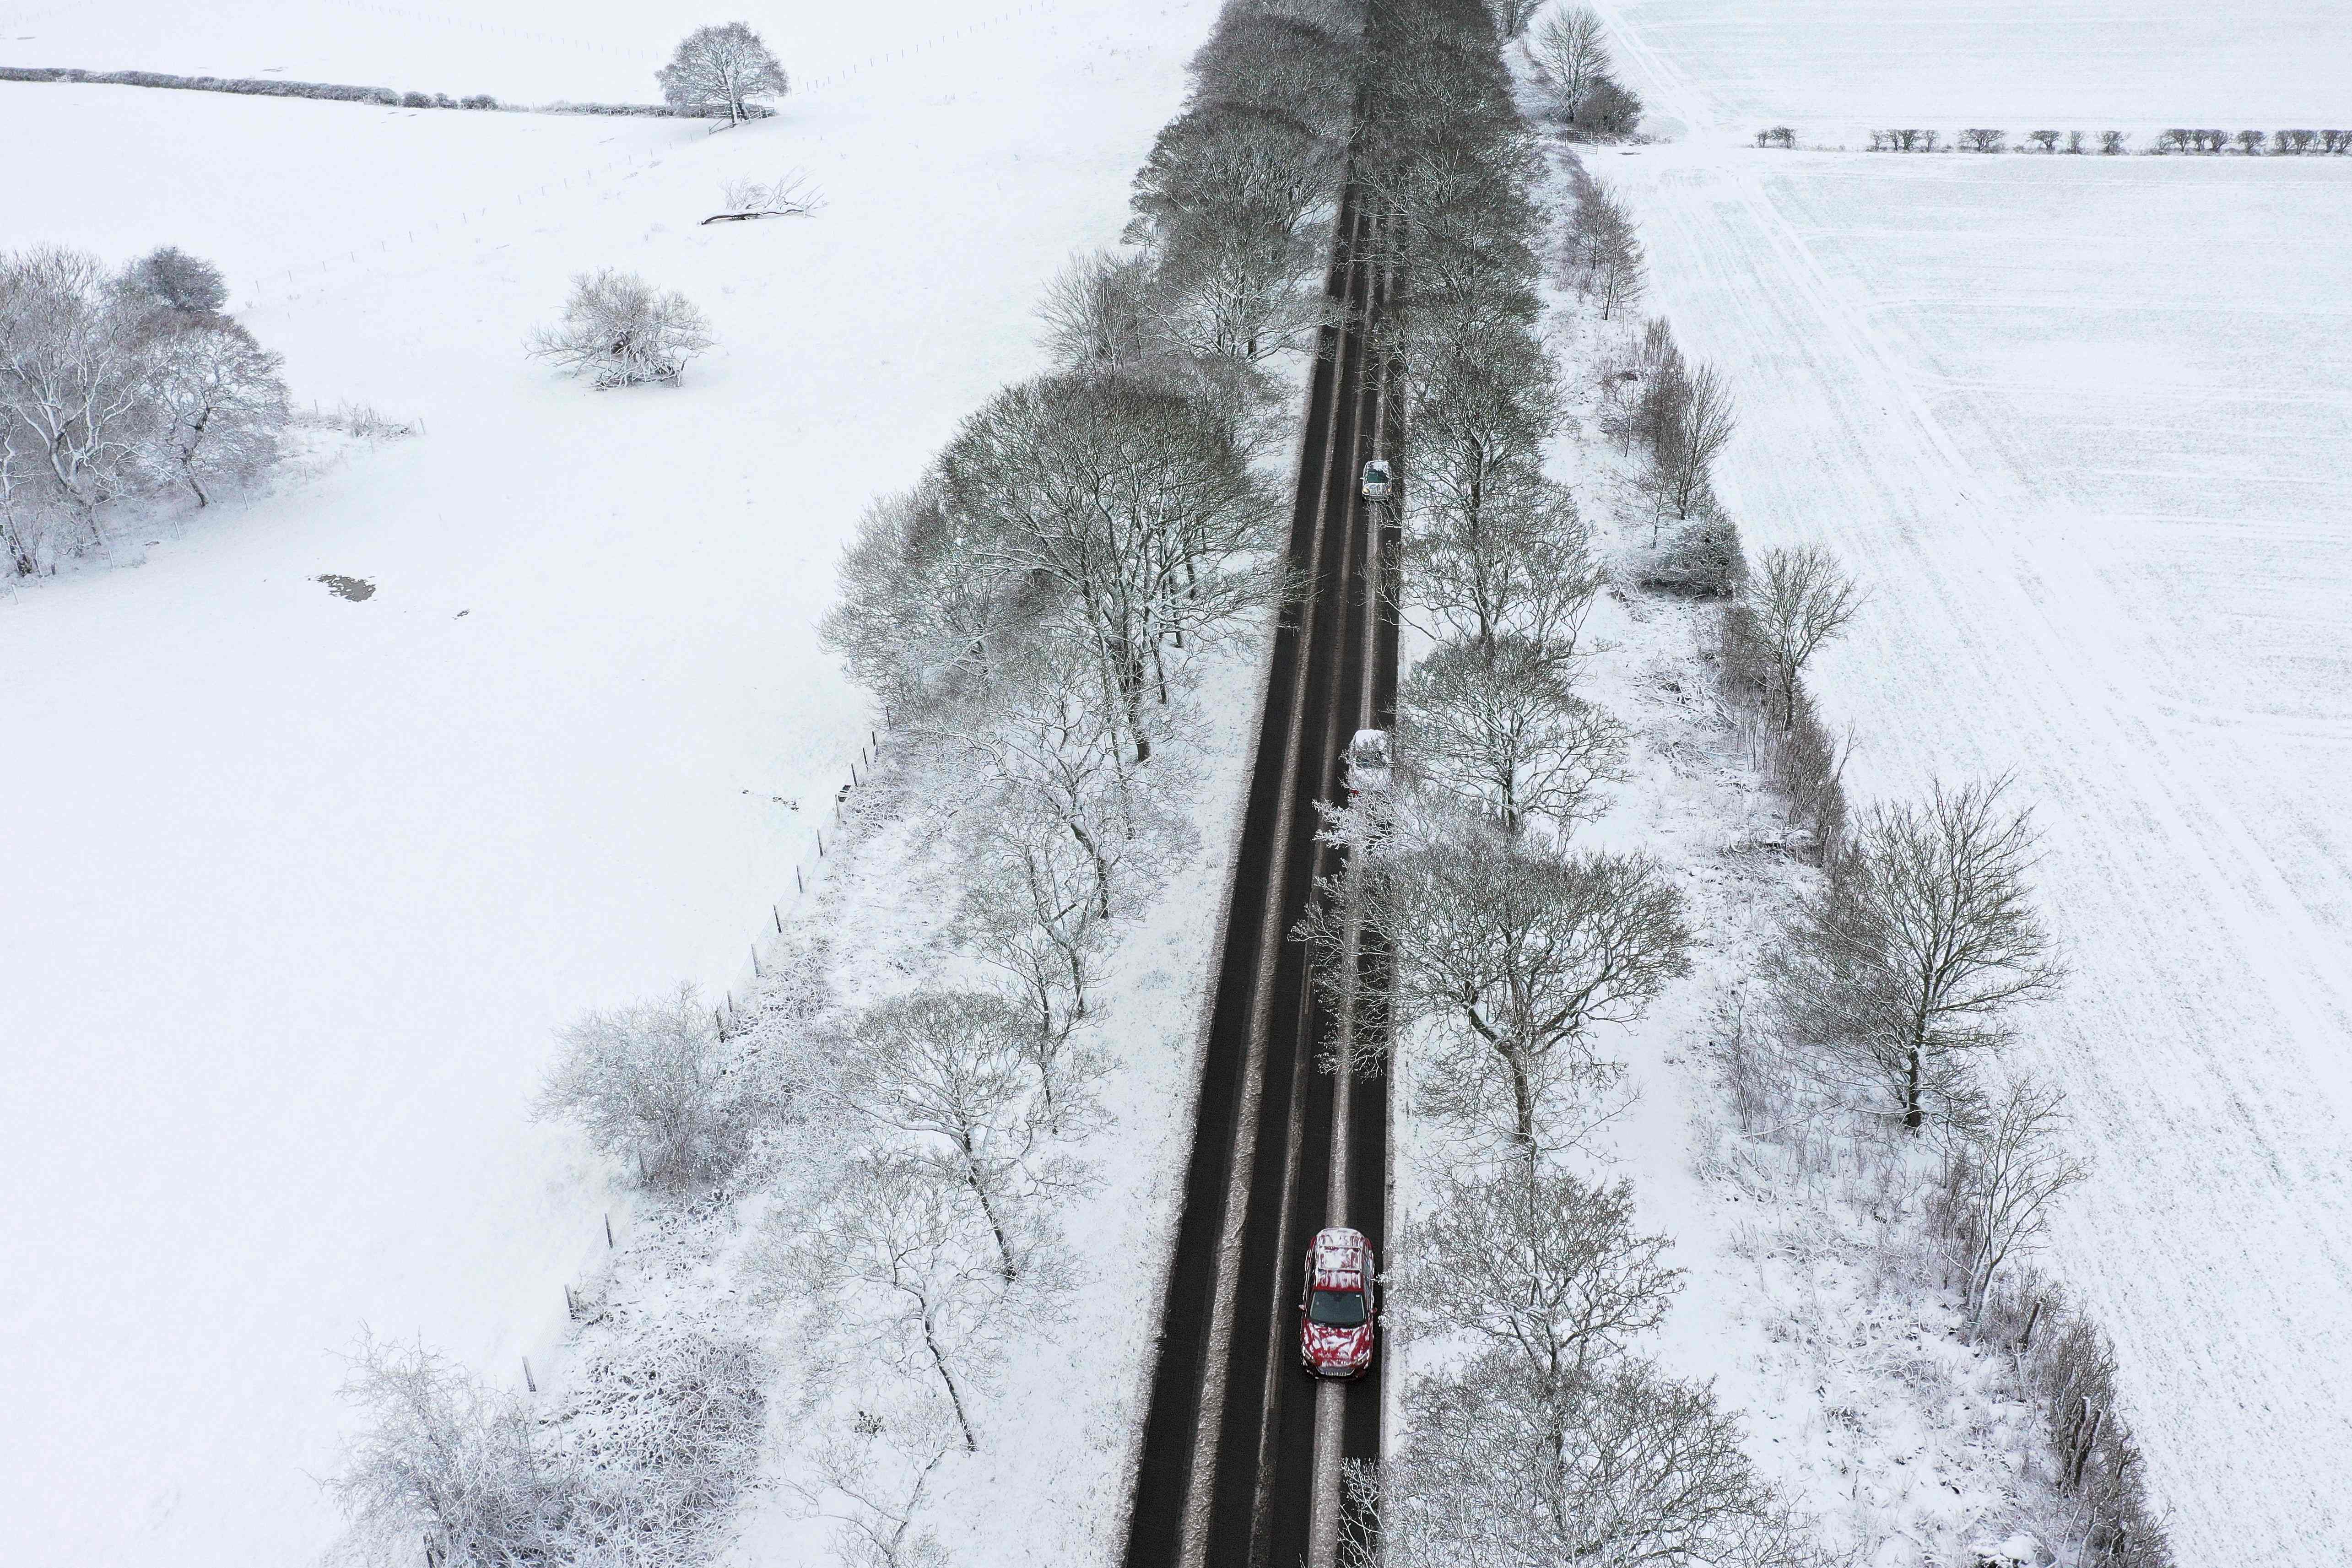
[1342, 1257]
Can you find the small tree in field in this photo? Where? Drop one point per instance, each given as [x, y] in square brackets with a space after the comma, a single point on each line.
[2009, 1166]
[717, 71]
[2045, 140]
[220, 400]
[1800, 599]
[652, 1089]
[2111, 143]
[1914, 960]
[179, 281]
[619, 331]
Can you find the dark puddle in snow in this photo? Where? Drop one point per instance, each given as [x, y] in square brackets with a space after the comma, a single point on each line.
[352, 588]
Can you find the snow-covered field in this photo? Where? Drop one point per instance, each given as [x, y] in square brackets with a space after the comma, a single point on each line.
[296, 888]
[1831, 69]
[2080, 423]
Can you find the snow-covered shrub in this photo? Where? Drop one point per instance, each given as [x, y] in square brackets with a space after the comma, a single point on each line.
[1702, 558]
[467, 1467]
[179, 281]
[670, 1422]
[655, 1089]
[618, 331]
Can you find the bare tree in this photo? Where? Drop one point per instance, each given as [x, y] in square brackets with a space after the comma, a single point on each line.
[72, 378]
[2250, 143]
[1131, 505]
[1548, 1268]
[1517, 947]
[2076, 142]
[2046, 139]
[1799, 600]
[1570, 52]
[1620, 280]
[1097, 312]
[1700, 427]
[2008, 1166]
[1628, 1470]
[1512, 560]
[1224, 198]
[880, 1470]
[619, 331]
[922, 615]
[2112, 141]
[178, 282]
[220, 400]
[1501, 728]
[1300, 59]
[1031, 910]
[654, 1087]
[953, 1070]
[24, 520]
[905, 1248]
[1511, 16]
[1983, 138]
[1916, 957]
[717, 71]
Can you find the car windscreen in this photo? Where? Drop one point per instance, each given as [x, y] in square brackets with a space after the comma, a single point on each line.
[1337, 1309]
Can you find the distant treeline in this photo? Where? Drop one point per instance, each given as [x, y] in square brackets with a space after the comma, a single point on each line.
[337, 92]
[1988, 139]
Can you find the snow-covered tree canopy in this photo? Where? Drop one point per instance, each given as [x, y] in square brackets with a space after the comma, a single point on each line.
[717, 71]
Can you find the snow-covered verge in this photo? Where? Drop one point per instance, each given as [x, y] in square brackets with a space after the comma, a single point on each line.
[1820, 1290]
[2102, 520]
[1058, 1409]
[298, 887]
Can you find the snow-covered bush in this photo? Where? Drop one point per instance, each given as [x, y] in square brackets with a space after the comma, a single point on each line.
[669, 1420]
[468, 1469]
[655, 1088]
[619, 331]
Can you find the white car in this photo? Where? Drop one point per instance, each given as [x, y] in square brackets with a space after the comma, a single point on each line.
[1378, 480]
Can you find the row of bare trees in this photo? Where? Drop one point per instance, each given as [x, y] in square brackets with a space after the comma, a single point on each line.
[2255, 143]
[120, 387]
[1033, 613]
[1681, 418]
[1893, 1000]
[1541, 1433]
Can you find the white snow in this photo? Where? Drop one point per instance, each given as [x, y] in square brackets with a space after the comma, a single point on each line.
[2081, 422]
[297, 886]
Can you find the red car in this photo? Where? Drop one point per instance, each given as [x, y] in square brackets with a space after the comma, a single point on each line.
[1337, 1309]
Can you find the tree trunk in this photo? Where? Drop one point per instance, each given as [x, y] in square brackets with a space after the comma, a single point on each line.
[955, 1398]
[988, 1210]
[1911, 1116]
